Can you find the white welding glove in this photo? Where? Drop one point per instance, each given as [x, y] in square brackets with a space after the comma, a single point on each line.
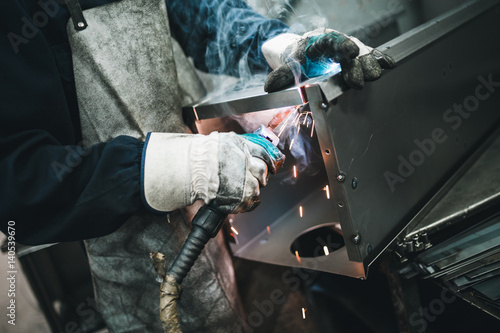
[179, 169]
[293, 57]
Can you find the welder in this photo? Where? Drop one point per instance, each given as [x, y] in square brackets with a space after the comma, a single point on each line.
[93, 146]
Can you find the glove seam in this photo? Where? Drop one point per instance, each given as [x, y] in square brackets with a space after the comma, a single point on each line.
[248, 156]
[203, 182]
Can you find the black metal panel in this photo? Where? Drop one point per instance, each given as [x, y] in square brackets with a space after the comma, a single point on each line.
[403, 136]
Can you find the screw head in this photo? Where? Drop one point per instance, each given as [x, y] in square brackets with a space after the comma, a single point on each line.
[324, 106]
[356, 239]
[81, 24]
[341, 177]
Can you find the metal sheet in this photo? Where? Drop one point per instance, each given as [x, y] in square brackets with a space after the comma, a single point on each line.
[484, 303]
[473, 267]
[476, 191]
[484, 270]
[490, 288]
[240, 102]
[393, 116]
[469, 253]
[270, 247]
[365, 136]
[462, 266]
[462, 242]
[465, 281]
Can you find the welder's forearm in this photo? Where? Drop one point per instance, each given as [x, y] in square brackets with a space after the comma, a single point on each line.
[58, 193]
[217, 34]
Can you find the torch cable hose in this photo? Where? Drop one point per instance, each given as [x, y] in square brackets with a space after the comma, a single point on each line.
[194, 244]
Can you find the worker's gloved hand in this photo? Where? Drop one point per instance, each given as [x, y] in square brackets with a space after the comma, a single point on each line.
[225, 168]
[293, 58]
[276, 156]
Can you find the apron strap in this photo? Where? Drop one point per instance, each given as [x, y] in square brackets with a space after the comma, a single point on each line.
[76, 14]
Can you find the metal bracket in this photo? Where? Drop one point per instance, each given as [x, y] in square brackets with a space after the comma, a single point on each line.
[416, 243]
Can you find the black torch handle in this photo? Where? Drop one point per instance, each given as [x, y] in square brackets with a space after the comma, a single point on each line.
[206, 224]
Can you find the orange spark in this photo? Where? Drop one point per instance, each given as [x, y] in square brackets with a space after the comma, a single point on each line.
[268, 230]
[300, 211]
[283, 124]
[296, 119]
[233, 229]
[298, 257]
[278, 118]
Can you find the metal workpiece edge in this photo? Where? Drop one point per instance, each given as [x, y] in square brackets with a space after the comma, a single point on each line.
[262, 247]
[319, 107]
[410, 42]
[408, 231]
[255, 99]
[244, 102]
[414, 40]
[475, 192]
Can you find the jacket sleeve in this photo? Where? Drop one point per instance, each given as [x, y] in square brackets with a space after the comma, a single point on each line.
[53, 189]
[222, 36]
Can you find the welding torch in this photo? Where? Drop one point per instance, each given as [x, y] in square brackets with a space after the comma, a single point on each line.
[205, 225]
[209, 220]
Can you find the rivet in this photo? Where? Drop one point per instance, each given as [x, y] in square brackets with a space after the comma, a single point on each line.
[356, 239]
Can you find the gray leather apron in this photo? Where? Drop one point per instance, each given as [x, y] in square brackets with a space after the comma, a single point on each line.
[127, 84]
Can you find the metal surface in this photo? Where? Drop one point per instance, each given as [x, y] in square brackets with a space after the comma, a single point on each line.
[490, 288]
[457, 205]
[474, 267]
[401, 47]
[472, 297]
[398, 140]
[240, 102]
[408, 105]
[484, 270]
[471, 243]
